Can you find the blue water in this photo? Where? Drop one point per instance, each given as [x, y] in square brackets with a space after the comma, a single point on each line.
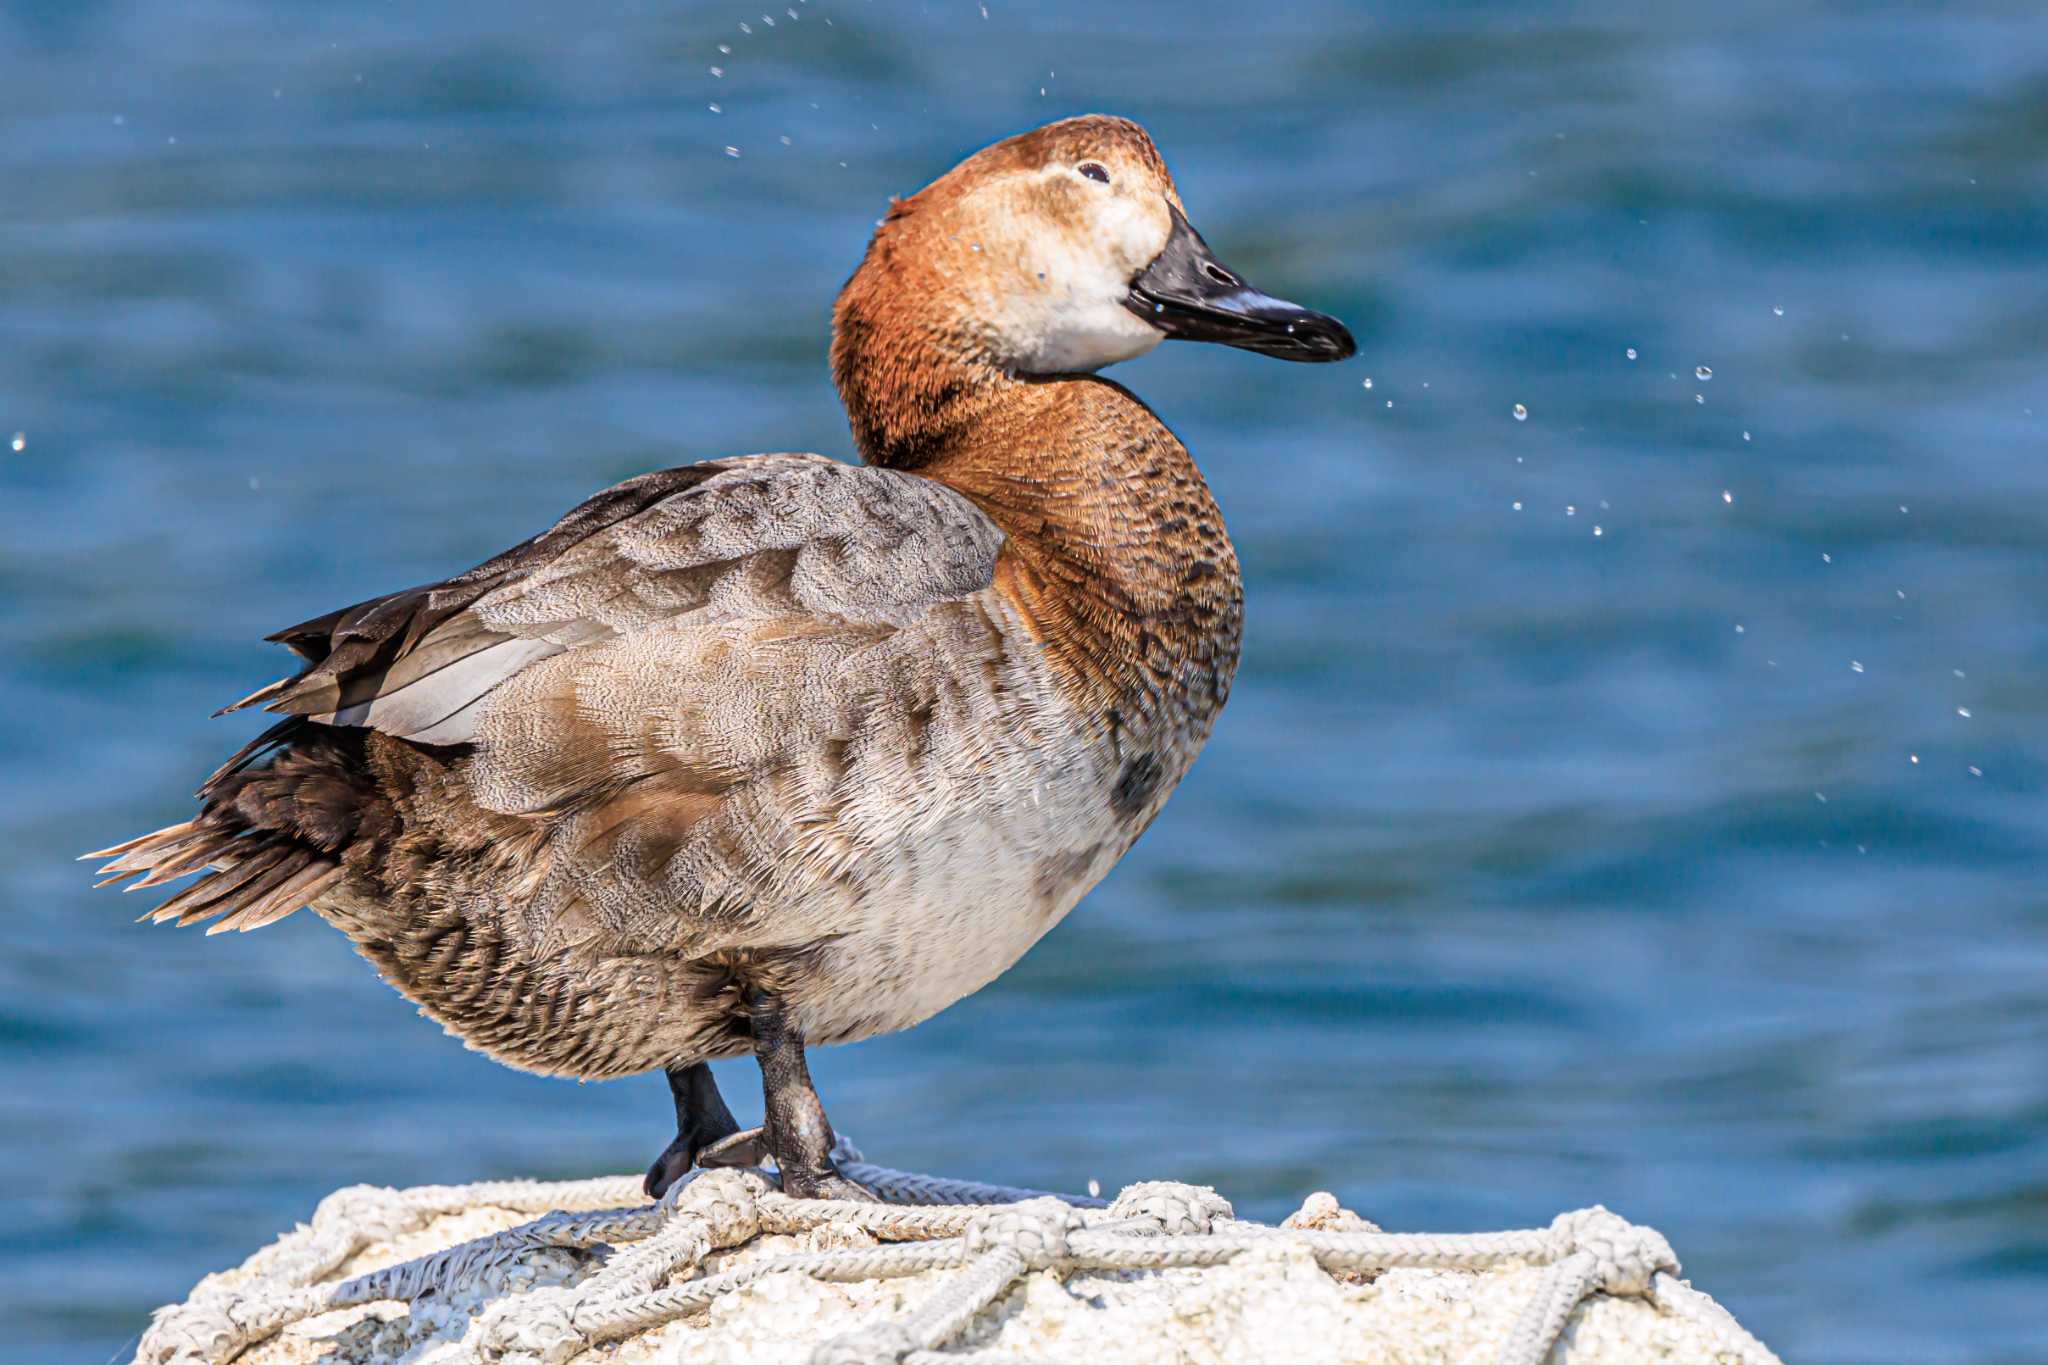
[1638, 803]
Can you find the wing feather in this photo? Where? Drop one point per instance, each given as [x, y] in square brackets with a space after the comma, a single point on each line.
[766, 536]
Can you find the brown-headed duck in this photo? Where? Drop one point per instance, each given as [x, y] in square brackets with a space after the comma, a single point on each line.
[775, 751]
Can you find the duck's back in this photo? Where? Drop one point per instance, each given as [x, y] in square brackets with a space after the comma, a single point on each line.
[764, 720]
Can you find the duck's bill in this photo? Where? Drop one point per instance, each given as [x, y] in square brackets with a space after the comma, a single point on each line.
[1191, 296]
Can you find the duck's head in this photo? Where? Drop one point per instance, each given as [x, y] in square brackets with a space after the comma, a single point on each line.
[1059, 250]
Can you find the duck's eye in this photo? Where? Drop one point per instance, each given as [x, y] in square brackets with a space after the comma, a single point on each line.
[1094, 170]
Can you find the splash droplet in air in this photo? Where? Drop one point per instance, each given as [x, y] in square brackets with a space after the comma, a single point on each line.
[1778, 310]
[1702, 373]
[1727, 496]
[1521, 413]
[20, 442]
[732, 151]
[1631, 353]
[1368, 381]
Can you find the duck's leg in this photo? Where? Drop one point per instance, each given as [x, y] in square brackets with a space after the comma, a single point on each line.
[796, 1131]
[702, 1122]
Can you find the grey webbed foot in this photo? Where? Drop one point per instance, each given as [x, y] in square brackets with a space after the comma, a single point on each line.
[747, 1148]
[703, 1124]
[796, 1132]
[826, 1185]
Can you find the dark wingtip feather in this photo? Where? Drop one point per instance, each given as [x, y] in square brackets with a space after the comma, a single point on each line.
[263, 693]
[276, 736]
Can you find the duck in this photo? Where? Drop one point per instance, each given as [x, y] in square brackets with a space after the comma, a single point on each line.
[773, 752]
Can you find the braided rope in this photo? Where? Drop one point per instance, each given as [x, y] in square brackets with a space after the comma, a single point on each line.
[984, 1238]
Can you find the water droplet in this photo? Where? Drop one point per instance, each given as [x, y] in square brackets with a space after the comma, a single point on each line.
[1368, 381]
[1571, 510]
[1855, 666]
[1518, 505]
[725, 48]
[714, 109]
[1094, 1185]
[1778, 310]
[1826, 558]
[1820, 798]
[1631, 353]
[1745, 436]
[1597, 531]
[20, 442]
[718, 71]
[1963, 711]
[1727, 496]
[1958, 672]
[1521, 413]
[784, 140]
[732, 151]
[1741, 629]
[1902, 509]
[1699, 398]
[1702, 373]
[1390, 402]
[1976, 771]
[1914, 757]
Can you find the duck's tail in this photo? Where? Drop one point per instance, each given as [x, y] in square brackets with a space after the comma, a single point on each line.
[260, 855]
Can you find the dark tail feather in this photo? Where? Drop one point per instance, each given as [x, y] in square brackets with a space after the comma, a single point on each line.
[252, 877]
[277, 821]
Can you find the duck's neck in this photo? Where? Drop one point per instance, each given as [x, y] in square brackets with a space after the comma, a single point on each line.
[1115, 553]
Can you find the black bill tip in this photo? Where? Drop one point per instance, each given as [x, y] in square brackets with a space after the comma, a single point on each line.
[1191, 296]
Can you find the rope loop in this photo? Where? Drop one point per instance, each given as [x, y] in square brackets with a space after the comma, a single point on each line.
[1626, 1256]
[1180, 1210]
[192, 1331]
[539, 1325]
[1035, 1229]
[726, 1199]
[366, 1213]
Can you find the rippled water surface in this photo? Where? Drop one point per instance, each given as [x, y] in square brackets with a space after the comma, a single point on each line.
[1637, 803]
